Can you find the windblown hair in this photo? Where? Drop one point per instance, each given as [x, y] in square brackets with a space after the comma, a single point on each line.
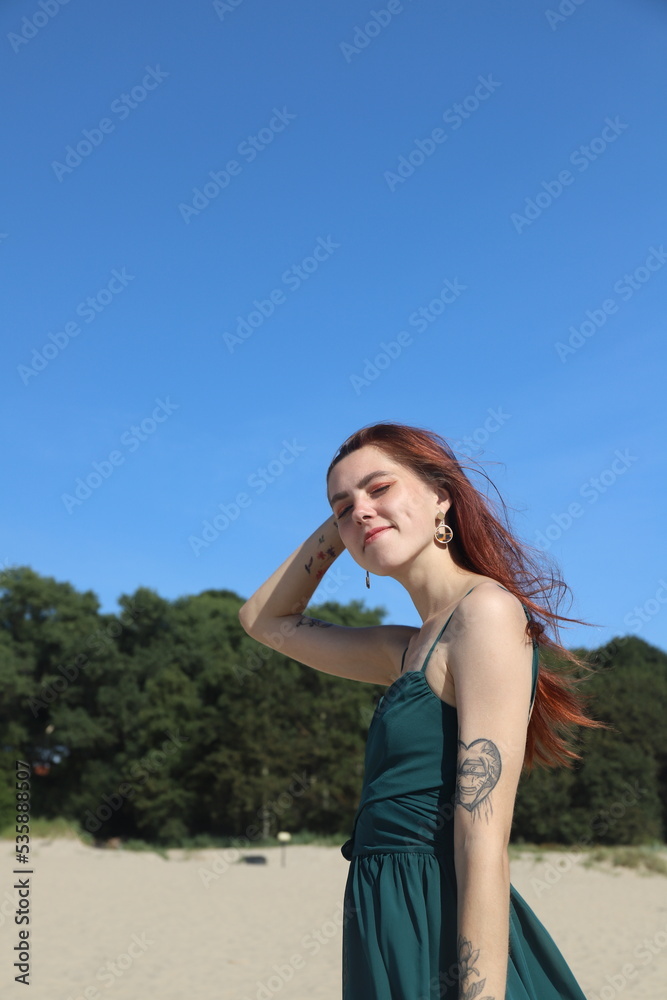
[484, 543]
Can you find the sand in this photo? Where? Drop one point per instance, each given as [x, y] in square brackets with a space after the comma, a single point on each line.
[130, 925]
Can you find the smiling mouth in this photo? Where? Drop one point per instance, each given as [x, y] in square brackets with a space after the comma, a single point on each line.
[376, 534]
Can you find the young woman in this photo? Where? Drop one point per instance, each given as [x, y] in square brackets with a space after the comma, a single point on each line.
[429, 908]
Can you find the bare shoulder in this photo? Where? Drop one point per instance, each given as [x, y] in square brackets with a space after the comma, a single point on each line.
[489, 620]
[490, 661]
[490, 653]
[490, 605]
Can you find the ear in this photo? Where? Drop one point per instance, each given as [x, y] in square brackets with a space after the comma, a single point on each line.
[443, 499]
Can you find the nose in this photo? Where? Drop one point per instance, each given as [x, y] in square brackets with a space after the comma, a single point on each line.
[363, 509]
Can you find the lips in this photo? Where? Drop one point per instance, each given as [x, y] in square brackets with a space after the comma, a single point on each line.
[374, 533]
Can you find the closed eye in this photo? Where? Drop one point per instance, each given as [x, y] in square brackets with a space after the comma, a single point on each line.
[378, 489]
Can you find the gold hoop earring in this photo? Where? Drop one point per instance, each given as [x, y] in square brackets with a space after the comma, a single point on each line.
[368, 580]
[443, 533]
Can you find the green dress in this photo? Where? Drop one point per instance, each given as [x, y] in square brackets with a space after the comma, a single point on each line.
[399, 912]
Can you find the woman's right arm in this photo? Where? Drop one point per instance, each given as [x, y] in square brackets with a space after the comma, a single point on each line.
[273, 616]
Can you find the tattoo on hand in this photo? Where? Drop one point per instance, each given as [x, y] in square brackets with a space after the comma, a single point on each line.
[477, 773]
[468, 956]
[312, 621]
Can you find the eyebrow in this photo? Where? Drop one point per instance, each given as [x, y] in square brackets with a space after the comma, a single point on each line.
[360, 485]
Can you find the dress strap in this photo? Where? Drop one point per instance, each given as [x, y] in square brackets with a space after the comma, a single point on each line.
[525, 609]
[536, 651]
[536, 658]
[536, 670]
[439, 635]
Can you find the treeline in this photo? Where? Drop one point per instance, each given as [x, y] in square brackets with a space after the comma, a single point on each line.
[166, 721]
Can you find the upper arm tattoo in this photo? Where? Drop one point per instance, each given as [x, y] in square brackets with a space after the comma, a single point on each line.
[303, 620]
[477, 772]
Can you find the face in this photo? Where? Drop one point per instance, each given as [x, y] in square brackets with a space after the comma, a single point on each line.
[386, 514]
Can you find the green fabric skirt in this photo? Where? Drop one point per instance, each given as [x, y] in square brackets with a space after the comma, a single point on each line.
[400, 929]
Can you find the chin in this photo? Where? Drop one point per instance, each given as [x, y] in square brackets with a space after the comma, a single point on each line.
[386, 567]
[382, 571]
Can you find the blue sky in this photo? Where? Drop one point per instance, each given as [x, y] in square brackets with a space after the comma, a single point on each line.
[217, 218]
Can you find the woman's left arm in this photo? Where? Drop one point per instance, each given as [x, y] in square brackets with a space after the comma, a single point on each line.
[490, 657]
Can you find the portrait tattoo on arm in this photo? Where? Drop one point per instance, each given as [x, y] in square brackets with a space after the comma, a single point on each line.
[468, 957]
[303, 620]
[477, 772]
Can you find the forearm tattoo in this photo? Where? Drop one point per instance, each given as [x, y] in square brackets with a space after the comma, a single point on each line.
[322, 554]
[477, 772]
[303, 620]
[469, 988]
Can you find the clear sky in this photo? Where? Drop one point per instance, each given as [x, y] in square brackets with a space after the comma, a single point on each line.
[229, 228]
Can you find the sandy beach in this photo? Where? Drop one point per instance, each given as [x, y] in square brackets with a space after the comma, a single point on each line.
[135, 926]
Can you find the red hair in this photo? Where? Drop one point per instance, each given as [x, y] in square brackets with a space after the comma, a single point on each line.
[485, 544]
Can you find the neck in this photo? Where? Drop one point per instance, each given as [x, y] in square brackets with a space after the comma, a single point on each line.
[434, 581]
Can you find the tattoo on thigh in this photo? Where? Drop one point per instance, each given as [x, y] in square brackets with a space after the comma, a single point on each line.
[477, 773]
[469, 989]
[312, 621]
